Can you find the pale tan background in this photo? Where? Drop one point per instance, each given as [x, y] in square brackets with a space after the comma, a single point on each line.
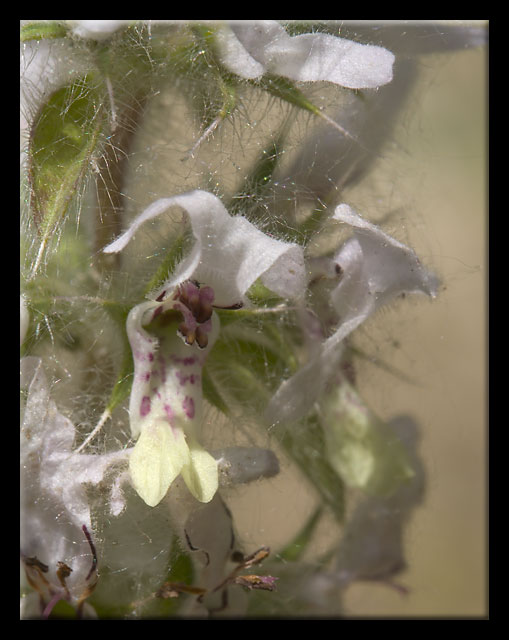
[433, 191]
[442, 345]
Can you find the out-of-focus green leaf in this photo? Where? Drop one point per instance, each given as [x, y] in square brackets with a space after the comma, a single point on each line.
[123, 384]
[259, 180]
[170, 260]
[245, 373]
[286, 90]
[42, 30]
[295, 548]
[244, 369]
[64, 136]
[305, 444]
[211, 393]
[63, 611]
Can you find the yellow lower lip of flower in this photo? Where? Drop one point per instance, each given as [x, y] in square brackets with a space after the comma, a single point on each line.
[160, 454]
[156, 460]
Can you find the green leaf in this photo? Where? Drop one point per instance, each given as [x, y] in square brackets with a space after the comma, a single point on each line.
[172, 257]
[295, 549]
[306, 445]
[286, 90]
[63, 138]
[259, 181]
[259, 294]
[211, 393]
[247, 373]
[124, 381]
[313, 223]
[211, 92]
[42, 30]
[243, 369]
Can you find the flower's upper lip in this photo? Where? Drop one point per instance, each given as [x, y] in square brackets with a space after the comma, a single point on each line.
[375, 269]
[229, 253]
[252, 49]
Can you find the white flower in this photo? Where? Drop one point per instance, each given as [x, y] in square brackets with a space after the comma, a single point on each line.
[54, 503]
[229, 254]
[375, 269]
[96, 29]
[372, 544]
[251, 49]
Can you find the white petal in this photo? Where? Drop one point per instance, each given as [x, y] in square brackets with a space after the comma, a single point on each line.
[389, 268]
[229, 253]
[54, 500]
[235, 56]
[96, 29]
[74, 473]
[315, 57]
[159, 372]
[296, 396]
[375, 269]
[352, 298]
[152, 211]
[143, 347]
[251, 49]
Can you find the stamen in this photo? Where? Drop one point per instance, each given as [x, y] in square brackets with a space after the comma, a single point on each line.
[202, 338]
[93, 568]
[63, 572]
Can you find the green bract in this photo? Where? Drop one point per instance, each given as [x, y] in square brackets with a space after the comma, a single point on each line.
[63, 139]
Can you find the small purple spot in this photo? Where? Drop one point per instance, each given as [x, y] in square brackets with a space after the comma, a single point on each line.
[151, 357]
[147, 376]
[169, 413]
[186, 361]
[183, 379]
[145, 406]
[188, 406]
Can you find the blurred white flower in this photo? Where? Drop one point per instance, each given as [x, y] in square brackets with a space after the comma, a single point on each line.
[251, 49]
[96, 29]
[229, 254]
[374, 269]
[372, 545]
[54, 504]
